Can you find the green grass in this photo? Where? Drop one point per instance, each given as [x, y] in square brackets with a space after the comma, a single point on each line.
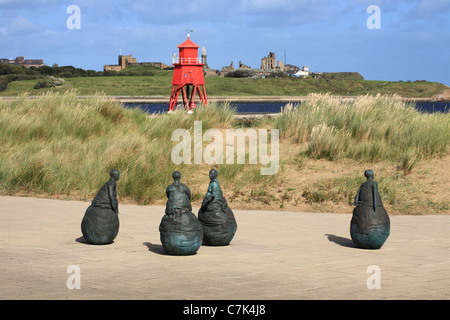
[367, 129]
[400, 194]
[160, 82]
[60, 145]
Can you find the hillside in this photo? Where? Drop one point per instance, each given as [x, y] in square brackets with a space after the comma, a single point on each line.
[150, 81]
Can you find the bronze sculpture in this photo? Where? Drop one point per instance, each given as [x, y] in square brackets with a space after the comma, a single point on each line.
[181, 232]
[370, 224]
[100, 224]
[217, 218]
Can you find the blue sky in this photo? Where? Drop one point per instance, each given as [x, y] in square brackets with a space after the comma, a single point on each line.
[413, 42]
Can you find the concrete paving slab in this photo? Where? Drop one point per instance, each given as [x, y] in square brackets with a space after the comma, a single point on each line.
[274, 256]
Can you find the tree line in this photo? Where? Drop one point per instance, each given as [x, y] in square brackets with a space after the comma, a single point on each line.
[11, 72]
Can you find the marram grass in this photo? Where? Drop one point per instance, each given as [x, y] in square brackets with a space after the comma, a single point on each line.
[368, 129]
[59, 144]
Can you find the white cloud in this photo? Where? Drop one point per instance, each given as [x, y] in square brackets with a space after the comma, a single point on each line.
[21, 25]
[262, 5]
[24, 4]
[431, 8]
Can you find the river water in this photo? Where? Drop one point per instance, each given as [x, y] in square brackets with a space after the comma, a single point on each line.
[276, 107]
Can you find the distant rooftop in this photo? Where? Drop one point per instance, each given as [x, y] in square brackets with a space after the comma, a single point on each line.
[21, 61]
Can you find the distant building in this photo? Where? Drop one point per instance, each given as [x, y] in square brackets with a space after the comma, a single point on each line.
[206, 69]
[126, 61]
[204, 59]
[243, 66]
[21, 61]
[290, 69]
[269, 63]
[303, 72]
[228, 68]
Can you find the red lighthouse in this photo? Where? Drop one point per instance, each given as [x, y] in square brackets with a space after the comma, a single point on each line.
[188, 76]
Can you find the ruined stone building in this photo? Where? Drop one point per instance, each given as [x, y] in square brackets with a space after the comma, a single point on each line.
[126, 61]
[228, 68]
[243, 66]
[269, 63]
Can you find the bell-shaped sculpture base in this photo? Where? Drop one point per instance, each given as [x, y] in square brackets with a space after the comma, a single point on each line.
[219, 225]
[181, 233]
[369, 229]
[100, 225]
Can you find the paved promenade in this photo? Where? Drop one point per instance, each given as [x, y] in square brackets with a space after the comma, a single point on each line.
[274, 256]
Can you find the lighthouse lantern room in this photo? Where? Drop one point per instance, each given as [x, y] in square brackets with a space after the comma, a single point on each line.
[188, 78]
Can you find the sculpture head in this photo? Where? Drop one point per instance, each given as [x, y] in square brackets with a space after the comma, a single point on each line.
[213, 174]
[176, 175]
[115, 174]
[369, 174]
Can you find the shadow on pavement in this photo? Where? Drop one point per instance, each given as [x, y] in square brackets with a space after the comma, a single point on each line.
[156, 248]
[345, 242]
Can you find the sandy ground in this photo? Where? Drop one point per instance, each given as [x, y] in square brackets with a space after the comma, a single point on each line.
[273, 256]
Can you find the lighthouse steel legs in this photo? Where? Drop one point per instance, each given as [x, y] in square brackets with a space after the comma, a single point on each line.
[188, 94]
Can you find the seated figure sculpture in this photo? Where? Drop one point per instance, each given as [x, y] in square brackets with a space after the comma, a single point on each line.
[100, 224]
[216, 217]
[180, 231]
[370, 224]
